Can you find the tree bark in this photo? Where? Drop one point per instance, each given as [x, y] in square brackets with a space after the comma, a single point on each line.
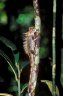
[34, 58]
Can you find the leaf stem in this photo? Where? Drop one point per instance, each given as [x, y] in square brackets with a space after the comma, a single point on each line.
[18, 81]
[13, 70]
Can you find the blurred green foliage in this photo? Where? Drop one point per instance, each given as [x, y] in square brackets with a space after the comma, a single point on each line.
[26, 16]
[24, 19]
[43, 52]
[2, 5]
[3, 15]
[3, 18]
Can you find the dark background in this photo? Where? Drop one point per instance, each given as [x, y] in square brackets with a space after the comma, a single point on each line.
[12, 8]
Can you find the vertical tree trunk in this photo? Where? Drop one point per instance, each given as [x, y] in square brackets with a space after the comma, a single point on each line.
[54, 49]
[34, 63]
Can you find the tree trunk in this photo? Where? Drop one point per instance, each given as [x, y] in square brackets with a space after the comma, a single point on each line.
[34, 58]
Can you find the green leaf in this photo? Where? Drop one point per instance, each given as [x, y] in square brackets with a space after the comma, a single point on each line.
[26, 94]
[16, 56]
[5, 94]
[49, 84]
[8, 43]
[5, 57]
[24, 87]
[8, 61]
[13, 85]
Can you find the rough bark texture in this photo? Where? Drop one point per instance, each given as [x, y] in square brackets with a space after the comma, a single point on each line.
[34, 61]
[34, 55]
